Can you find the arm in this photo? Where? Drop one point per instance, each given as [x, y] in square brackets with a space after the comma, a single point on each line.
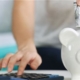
[23, 21]
[23, 30]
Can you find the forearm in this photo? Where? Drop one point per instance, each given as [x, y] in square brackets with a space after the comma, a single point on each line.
[23, 21]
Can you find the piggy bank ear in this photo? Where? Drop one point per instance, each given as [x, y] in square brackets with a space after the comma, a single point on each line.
[66, 35]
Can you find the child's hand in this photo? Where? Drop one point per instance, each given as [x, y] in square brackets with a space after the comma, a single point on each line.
[26, 56]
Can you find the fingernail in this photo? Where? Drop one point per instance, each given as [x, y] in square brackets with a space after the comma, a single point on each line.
[9, 69]
[3, 65]
[19, 73]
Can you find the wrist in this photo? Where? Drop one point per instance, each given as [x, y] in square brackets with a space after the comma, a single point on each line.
[27, 43]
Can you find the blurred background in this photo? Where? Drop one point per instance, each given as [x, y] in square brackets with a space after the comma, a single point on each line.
[7, 42]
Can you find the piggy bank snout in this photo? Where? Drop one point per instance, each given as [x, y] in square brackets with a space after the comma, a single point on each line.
[66, 35]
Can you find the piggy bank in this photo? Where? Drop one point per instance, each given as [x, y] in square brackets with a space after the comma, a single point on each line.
[70, 51]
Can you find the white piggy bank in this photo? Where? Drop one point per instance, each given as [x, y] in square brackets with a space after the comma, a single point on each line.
[70, 51]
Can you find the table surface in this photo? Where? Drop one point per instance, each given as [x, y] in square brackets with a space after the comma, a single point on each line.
[66, 74]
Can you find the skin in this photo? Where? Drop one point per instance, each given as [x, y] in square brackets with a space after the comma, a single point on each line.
[23, 31]
[78, 2]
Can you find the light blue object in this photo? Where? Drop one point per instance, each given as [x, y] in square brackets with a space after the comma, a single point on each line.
[6, 50]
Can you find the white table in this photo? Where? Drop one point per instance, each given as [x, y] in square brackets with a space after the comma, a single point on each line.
[66, 74]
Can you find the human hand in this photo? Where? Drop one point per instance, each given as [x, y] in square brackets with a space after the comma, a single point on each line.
[25, 56]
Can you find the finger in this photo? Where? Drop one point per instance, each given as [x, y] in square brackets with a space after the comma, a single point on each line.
[24, 61]
[18, 62]
[6, 60]
[36, 62]
[13, 61]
